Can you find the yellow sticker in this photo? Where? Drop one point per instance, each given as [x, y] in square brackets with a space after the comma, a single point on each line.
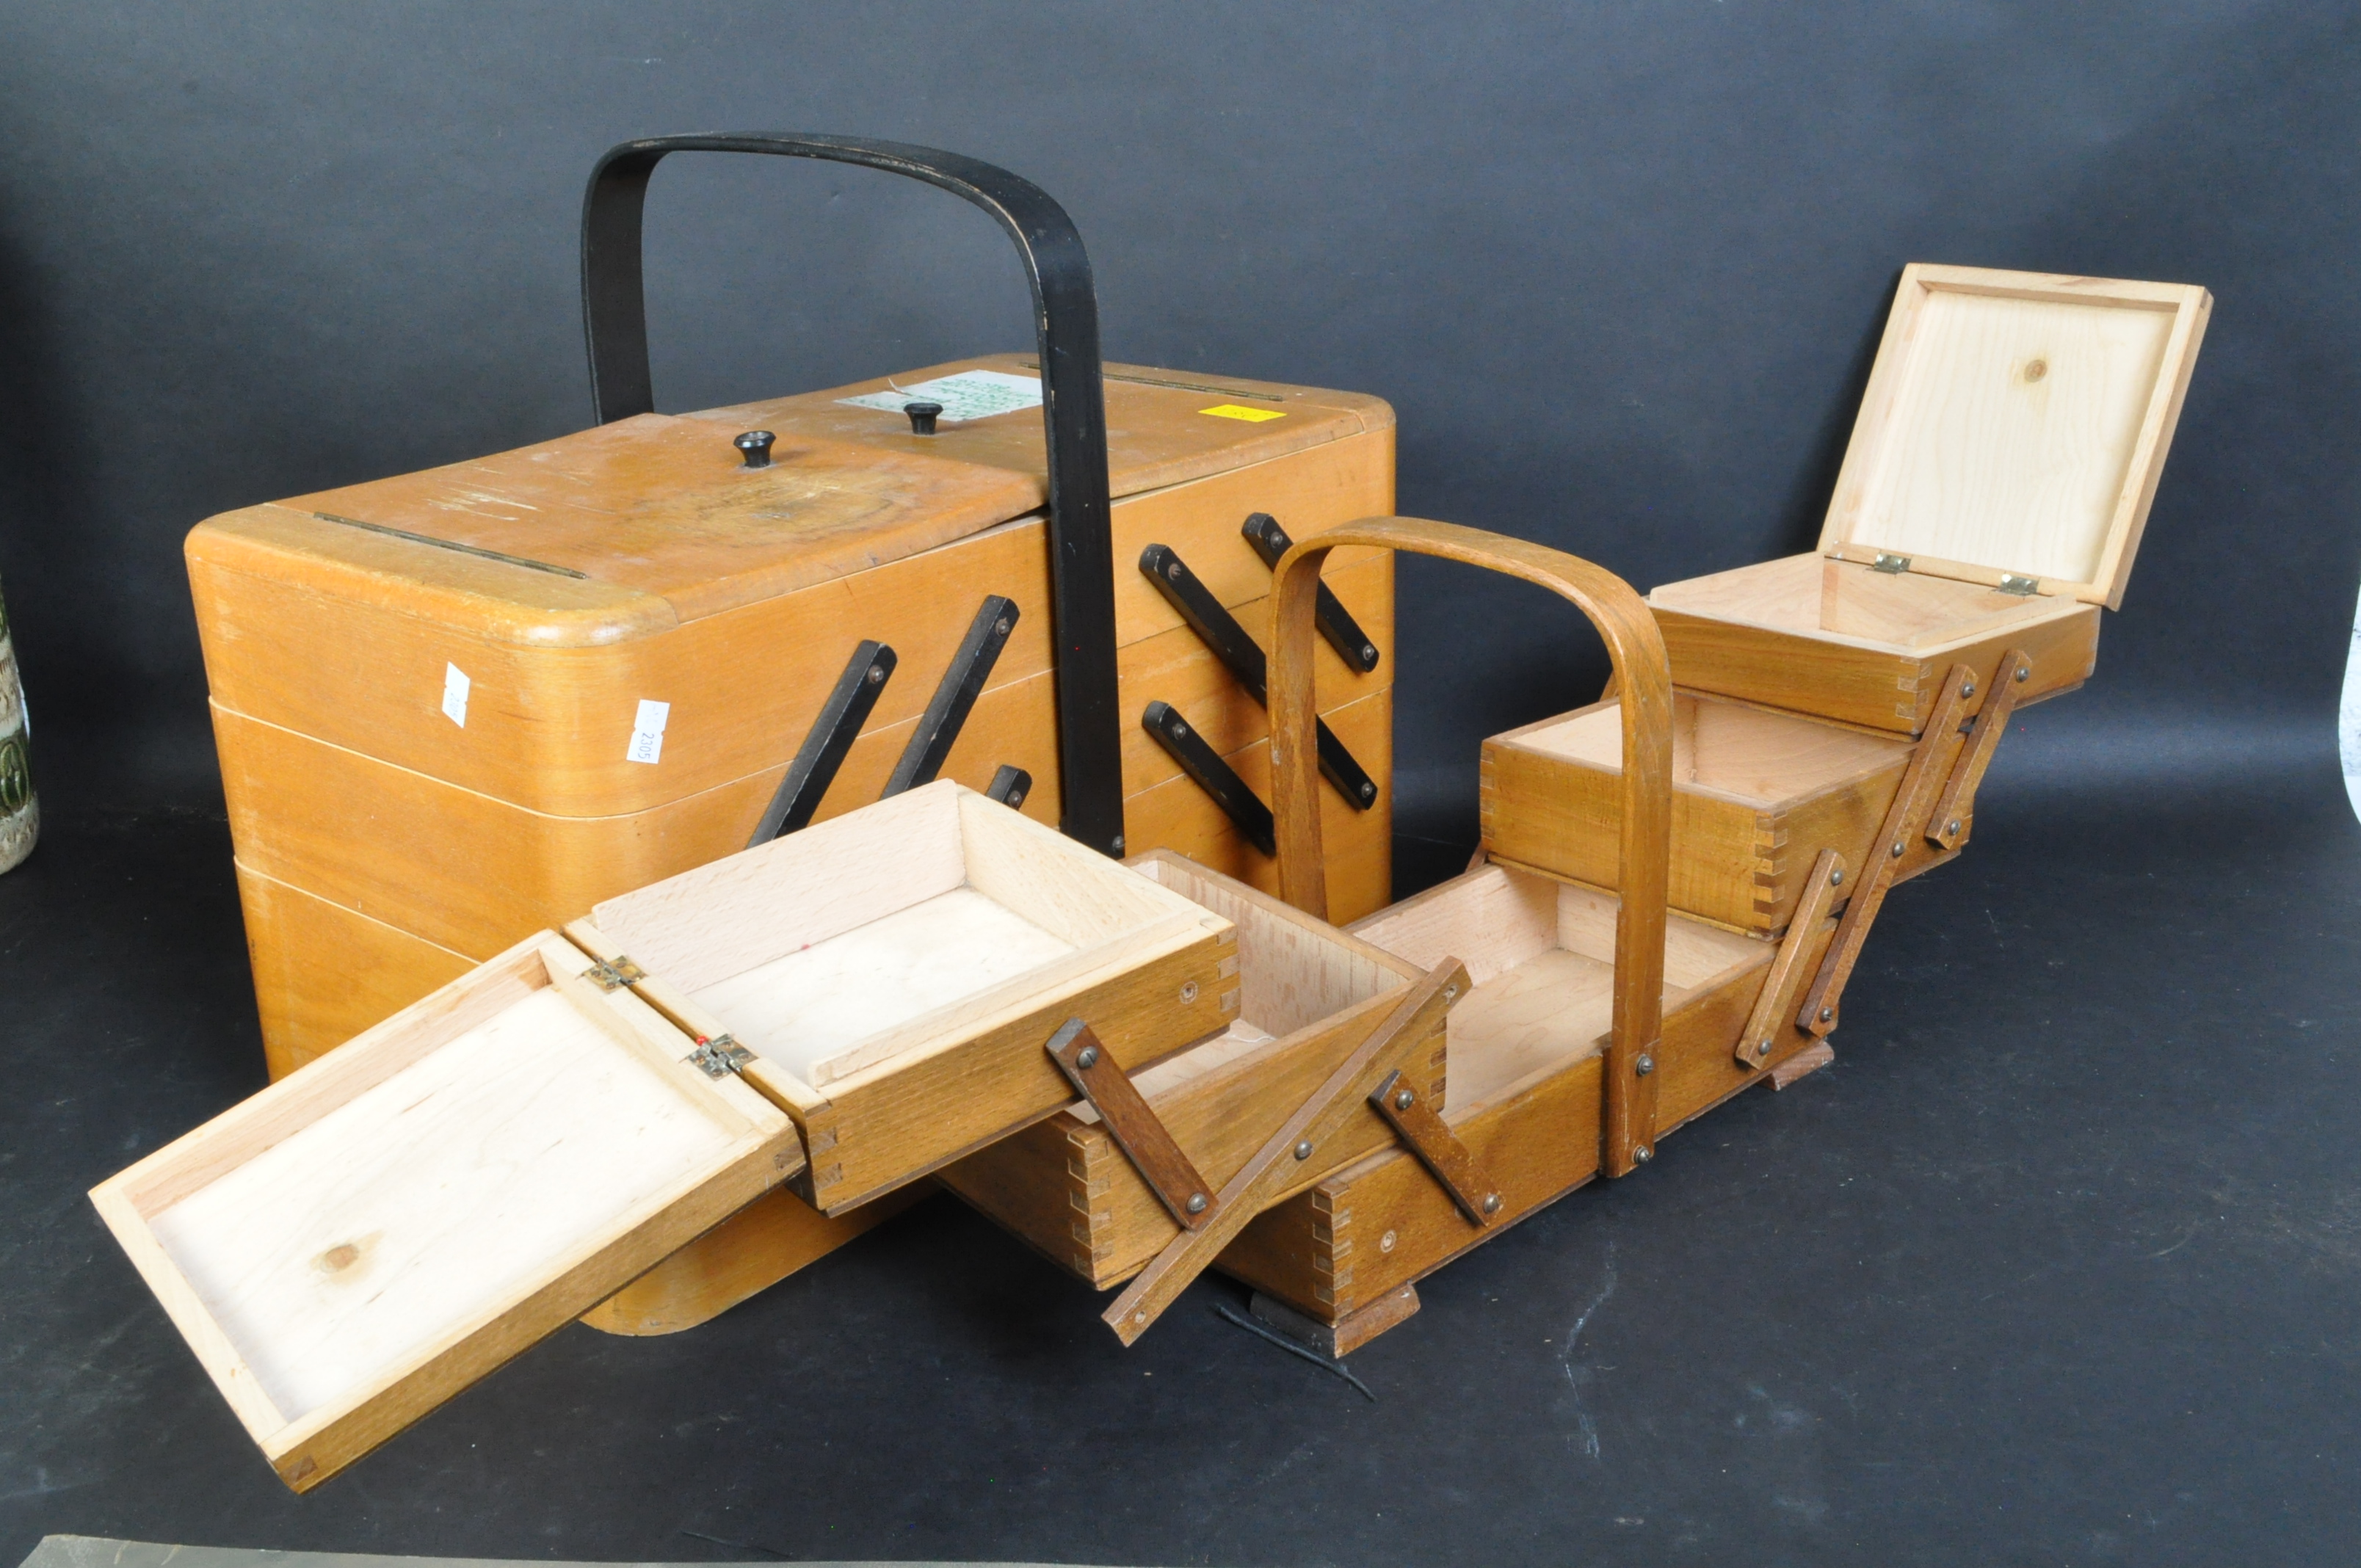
[1252, 416]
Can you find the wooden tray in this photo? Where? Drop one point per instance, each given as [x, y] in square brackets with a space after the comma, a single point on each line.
[1307, 995]
[1757, 794]
[2000, 473]
[364, 1238]
[896, 971]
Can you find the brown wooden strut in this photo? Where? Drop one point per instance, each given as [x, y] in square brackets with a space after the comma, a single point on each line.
[1430, 1139]
[1287, 1152]
[1775, 1009]
[1134, 1124]
[1941, 815]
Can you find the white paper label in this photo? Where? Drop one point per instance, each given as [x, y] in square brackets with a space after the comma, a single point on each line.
[970, 394]
[455, 694]
[647, 732]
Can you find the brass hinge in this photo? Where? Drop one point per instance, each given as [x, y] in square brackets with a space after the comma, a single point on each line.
[719, 1055]
[614, 976]
[2021, 587]
[1890, 564]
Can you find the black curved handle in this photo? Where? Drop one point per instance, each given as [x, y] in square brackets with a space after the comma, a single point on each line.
[1073, 406]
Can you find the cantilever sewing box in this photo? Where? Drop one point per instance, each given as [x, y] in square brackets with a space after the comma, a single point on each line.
[1681, 880]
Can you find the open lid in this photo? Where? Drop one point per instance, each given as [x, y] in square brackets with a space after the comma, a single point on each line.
[2015, 427]
[377, 1230]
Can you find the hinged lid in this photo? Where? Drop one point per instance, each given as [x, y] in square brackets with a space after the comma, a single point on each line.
[2015, 427]
[372, 1233]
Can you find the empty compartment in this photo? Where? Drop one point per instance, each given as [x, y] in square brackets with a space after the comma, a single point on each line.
[1541, 954]
[896, 971]
[1756, 797]
[358, 1243]
[1306, 994]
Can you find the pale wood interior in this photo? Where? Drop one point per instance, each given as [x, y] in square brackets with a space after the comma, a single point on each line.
[2010, 434]
[1240, 1039]
[1906, 612]
[808, 1009]
[889, 931]
[1746, 755]
[332, 1257]
[1293, 972]
[1542, 954]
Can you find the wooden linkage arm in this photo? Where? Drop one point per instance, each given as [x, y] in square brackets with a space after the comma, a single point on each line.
[1287, 1151]
[1644, 679]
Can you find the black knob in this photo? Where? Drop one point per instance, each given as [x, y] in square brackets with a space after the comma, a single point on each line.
[923, 417]
[756, 446]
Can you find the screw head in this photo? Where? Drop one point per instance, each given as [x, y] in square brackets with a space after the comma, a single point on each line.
[1644, 1066]
[2024, 671]
[1304, 1149]
[1952, 826]
[1386, 1241]
[1828, 1014]
[1898, 848]
[1088, 1058]
[1491, 1202]
[1405, 1100]
[1968, 689]
[1450, 993]
[1187, 992]
[1643, 1154]
[1762, 1047]
[1836, 877]
[1196, 1205]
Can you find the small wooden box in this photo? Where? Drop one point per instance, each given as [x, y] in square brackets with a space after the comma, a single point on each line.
[1756, 795]
[2007, 452]
[386, 1225]
[366, 1237]
[1307, 993]
[895, 972]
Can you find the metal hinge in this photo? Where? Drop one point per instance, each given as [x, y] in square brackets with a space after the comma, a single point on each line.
[1890, 563]
[2019, 586]
[719, 1055]
[614, 976]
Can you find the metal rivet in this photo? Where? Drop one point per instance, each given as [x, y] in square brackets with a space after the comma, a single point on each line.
[1173, 571]
[1952, 826]
[1089, 1059]
[876, 674]
[1827, 1014]
[1369, 651]
[1196, 1205]
[1969, 689]
[1491, 1202]
[1643, 1154]
[1386, 1241]
[1836, 877]
[1178, 728]
[1187, 992]
[1304, 1149]
[1000, 627]
[1368, 790]
[1118, 843]
[1015, 798]
[2023, 670]
[1763, 1048]
[1140, 1316]
[1898, 848]
[1450, 993]
[1405, 1100]
[1644, 1066]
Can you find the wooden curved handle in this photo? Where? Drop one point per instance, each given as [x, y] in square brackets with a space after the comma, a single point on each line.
[1644, 682]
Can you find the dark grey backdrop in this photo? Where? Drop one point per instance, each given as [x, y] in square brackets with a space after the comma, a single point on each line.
[2057, 1264]
[1619, 268]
